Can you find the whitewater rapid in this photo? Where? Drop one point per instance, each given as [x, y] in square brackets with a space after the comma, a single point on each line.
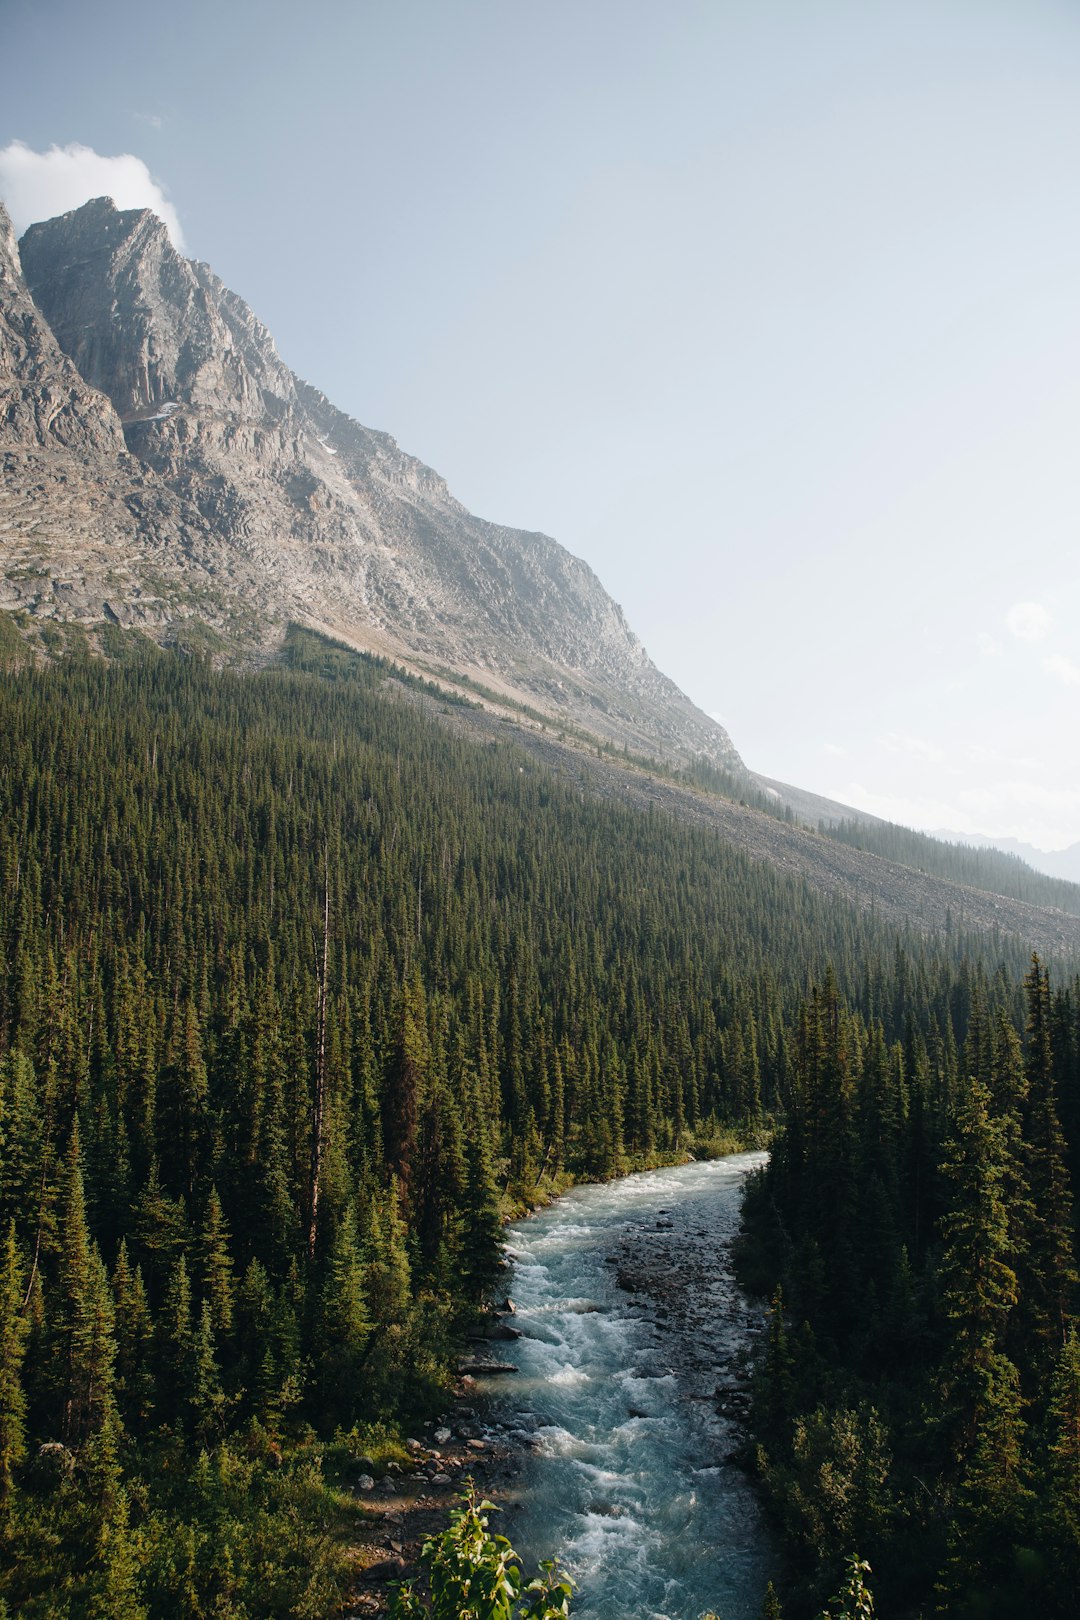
[631, 1373]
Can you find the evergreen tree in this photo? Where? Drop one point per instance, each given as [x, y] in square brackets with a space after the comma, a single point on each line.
[1050, 1278]
[115, 1594]
[134, 1344]
[1063, 1493]
[979, 1287]
[216, 1267]
[13, 1334]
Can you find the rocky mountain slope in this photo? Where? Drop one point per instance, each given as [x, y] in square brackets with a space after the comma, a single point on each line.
[88, 534]
[220, 486]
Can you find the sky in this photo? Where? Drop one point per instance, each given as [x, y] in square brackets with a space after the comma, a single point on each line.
[770, 311]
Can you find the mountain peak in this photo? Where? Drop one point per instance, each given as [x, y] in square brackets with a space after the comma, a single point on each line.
[313, 517]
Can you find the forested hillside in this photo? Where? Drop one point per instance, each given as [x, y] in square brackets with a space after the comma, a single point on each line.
[297, 986]
[920, 1396]
[991, 869]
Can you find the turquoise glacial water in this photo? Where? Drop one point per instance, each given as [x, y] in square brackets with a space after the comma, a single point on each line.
[628, 1478]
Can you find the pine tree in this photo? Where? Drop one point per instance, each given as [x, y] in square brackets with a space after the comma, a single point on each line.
[216, 1267]
[115, 1592]
[134, 1344]
[208, 1403]
[387, 1275]
[1064, 1466]
[94, 1356]
[1050, 1278]
[344, 1324]
[405, 1084]
[774, 1395]
[86, 1327]
[14, 1329]
[177, 1346]
[979, 1287]
[770, 1607]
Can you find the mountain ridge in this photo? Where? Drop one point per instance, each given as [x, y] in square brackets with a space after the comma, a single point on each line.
[306, 515]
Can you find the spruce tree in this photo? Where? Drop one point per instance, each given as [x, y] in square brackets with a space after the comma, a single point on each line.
[14, 1329]
[1050, 1279]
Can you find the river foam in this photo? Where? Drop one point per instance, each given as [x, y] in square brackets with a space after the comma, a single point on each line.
[627, 1479]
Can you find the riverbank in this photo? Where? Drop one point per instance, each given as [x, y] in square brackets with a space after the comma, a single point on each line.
[650, 1307]
[412, 1499]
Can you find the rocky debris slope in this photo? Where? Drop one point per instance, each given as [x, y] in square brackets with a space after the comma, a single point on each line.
[326, 521]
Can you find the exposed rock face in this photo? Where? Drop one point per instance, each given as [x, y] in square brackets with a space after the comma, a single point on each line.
[43, 398]
[307, 514]
[87, 532]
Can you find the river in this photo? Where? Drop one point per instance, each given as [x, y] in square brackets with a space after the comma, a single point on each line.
[631, 1380]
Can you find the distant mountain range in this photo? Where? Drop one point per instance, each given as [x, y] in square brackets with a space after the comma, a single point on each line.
[165, 470]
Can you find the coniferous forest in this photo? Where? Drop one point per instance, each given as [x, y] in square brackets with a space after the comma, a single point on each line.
[301, 992]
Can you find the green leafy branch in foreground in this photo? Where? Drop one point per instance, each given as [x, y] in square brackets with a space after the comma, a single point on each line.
[474, 1575]
[855, 1599]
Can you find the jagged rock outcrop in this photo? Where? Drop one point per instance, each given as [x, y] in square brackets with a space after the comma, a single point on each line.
[88, 533]
[308, 515]
[43, 398]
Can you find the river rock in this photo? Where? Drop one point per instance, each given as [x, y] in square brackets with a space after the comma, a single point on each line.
[365, 1483]
[385, 1569]
[442, 1436]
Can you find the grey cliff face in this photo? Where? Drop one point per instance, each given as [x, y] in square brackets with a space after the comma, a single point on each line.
[308, 515]
[43, 397]
[87, 533]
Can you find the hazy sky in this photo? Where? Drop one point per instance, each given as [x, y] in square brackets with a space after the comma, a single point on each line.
[770, 311]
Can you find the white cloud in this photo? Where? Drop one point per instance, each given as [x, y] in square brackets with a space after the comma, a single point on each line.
[1028, 621]
[835, 750]
[40, 185]
[1063, 669]
[988, 646]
